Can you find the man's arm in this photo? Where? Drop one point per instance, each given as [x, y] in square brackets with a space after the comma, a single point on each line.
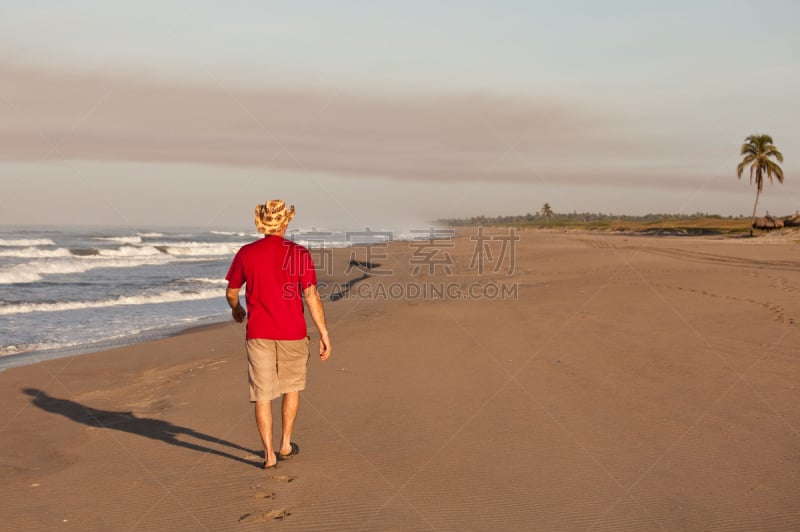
[237, 310]
[314, 303]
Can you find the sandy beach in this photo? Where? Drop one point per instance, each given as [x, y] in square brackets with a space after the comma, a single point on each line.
[572, 381]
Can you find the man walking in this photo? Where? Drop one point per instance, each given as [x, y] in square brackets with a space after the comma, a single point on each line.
[278, 275]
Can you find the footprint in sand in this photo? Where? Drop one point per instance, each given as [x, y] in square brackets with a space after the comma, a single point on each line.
[264, 495]
[284, 478]
[260, 517]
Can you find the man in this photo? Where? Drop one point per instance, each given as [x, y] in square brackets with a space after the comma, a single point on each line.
[278, 275]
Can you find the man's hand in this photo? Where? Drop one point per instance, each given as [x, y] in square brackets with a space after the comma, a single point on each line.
[324, 347]
[318, 315]
[239, 313]
[237, 310]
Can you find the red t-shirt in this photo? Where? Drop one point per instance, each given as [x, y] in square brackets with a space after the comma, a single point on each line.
[276, 271]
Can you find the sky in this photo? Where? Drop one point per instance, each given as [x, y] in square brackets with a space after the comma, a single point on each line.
[390, 114]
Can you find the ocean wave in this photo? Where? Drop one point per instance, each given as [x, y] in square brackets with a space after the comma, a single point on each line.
[32, 272]
[229, 233]
[121, 239]
[35, 253]
[26, 242]
[45, 346]
[177, 249]
[150, 235]
[169, 296]
[319, 244]
[24, 348]
[196, 249]
[19, 275]
[205, 280]
[130, 251]
[306, 230]
[13, 349]
[85, 252]
[411, 236]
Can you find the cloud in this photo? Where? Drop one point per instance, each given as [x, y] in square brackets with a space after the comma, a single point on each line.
[50, 115]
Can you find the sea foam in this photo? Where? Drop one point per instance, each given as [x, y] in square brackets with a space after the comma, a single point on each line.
[121, 239]
[130, 251]
[32, 272]
[35, 253]
[199, 249]
[168, 296]
[205, 280]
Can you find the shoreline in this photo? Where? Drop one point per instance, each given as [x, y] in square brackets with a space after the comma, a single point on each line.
[25, 358]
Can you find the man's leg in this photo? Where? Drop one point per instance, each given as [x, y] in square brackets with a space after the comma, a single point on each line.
[264, 422]
[291, 402]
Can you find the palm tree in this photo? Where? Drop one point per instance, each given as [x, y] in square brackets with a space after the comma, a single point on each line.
[547, 212]
[757, 150]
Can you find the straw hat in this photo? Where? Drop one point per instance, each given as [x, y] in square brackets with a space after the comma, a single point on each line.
[273, 216]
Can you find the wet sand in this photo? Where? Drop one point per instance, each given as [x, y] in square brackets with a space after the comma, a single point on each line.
[633, 383]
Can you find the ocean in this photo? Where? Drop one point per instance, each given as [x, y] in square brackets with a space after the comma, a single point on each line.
[73, 290]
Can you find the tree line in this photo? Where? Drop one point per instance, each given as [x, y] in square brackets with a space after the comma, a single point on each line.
[540, 217]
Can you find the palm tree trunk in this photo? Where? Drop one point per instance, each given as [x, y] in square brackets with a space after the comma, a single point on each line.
[753, 221]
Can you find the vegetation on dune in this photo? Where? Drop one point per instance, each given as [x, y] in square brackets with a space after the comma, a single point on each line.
[694, 224]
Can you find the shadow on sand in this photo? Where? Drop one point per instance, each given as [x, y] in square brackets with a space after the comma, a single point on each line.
[364, 267]
[156, 429]
[342, 291]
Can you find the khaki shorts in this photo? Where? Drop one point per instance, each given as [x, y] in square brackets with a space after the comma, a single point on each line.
[275, 367]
